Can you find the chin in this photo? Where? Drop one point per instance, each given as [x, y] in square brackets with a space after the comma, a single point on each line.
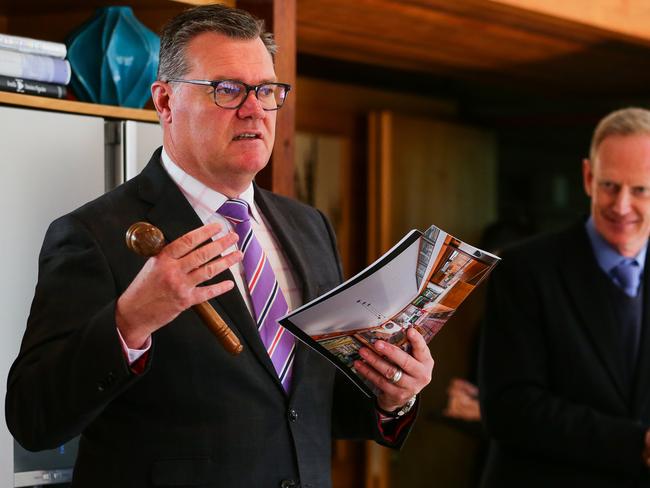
[623, 244]
[252, 166]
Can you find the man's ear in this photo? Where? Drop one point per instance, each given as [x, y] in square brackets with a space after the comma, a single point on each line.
[161, 93]
[587, 175]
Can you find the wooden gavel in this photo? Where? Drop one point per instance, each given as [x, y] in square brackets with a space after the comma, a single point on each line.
[147, 240]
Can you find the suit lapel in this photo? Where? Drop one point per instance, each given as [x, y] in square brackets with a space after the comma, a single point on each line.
[583, 280]
[174, 216]
[289, 237]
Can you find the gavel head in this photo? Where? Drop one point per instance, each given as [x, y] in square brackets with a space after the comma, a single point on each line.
[145, 239]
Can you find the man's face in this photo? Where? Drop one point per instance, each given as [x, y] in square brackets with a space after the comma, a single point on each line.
[618, 182]
[223, 148]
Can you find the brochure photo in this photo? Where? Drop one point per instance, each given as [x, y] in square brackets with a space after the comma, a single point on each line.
[419, 283]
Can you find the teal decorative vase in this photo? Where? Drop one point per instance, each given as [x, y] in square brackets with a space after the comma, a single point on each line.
[114, 59]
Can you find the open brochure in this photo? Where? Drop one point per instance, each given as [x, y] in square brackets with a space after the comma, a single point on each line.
[419, 283]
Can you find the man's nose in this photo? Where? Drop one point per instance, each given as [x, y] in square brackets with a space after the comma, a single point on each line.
[251, 107]
[623, 201]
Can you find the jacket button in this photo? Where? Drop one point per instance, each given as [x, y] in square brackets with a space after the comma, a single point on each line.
[293, 415]
[288, 484]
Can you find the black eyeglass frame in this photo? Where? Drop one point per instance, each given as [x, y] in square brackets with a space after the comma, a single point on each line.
[249, 88]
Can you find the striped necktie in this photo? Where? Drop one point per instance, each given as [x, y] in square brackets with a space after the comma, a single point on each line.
[266, 296]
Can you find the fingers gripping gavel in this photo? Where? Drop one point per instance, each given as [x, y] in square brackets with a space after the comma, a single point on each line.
[147, 240]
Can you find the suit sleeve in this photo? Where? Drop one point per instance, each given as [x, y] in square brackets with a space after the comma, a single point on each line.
[71, 364]
[355, 417]
[519, 406]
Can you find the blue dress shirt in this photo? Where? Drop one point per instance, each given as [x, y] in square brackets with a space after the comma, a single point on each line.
[607, 256]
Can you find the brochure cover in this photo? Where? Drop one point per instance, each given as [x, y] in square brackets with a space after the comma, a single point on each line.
[418, 283]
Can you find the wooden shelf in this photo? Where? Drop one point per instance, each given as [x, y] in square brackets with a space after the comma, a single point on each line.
[54, 21]
[107, 111]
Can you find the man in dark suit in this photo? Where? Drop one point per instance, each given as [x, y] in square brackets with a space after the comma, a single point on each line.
[111, 351]
[565, 367]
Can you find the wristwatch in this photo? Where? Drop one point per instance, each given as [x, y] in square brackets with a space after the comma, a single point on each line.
[400, 412]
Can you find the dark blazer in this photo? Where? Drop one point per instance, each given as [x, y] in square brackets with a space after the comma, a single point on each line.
[554, 396]
[196, 416]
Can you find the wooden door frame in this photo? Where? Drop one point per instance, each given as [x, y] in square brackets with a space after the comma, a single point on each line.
[280, 19]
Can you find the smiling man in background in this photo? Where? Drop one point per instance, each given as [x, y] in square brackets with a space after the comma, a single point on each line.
[565, 363]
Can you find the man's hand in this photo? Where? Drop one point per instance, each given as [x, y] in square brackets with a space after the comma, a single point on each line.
[168, 283]
[463, 401]
[380, 370]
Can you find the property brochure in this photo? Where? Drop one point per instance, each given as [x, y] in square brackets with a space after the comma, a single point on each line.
[419, 283]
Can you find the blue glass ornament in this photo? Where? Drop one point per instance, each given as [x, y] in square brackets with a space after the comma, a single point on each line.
[114, 58]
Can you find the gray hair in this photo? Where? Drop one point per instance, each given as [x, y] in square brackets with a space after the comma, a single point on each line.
[179, 31]
[625, 122]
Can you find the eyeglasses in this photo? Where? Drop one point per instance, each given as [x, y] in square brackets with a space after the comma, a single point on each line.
[232, 94]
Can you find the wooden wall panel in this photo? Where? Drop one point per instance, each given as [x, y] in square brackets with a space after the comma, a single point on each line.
[434, 172]
[334, 107]
[426, 171]
[339, 109]
[323, 176]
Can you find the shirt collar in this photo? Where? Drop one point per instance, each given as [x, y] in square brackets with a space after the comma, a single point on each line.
[606, 256]
[204, 199]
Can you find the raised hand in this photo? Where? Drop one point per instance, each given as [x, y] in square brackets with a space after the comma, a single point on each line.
[168, 282]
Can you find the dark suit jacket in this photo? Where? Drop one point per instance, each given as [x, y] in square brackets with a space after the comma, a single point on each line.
[196, 416]
[554, 396]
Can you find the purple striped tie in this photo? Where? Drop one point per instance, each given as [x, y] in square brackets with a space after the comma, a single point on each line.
[267, 298]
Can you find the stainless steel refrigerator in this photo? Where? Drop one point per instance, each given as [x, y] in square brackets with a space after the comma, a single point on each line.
[50, 163]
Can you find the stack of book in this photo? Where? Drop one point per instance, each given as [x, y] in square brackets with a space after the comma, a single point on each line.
[33, 66]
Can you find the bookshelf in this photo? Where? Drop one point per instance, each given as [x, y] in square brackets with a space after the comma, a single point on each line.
[54, 21]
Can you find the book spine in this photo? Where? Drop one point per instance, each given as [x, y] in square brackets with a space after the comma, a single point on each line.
[30, 87]
[33, 46]
[34, 67]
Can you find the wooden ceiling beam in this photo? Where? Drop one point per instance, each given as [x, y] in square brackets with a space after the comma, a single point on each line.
[421, 33]
[625, 17]
[491, 41]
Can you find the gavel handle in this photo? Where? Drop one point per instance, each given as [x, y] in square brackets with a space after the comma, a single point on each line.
[222, 332]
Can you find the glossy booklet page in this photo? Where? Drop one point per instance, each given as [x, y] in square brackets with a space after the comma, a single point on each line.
[418, 283]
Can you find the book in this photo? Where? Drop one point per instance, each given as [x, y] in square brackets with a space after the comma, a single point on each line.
[419, 283]
[34, 67]
[30, 87]
[33, 46]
